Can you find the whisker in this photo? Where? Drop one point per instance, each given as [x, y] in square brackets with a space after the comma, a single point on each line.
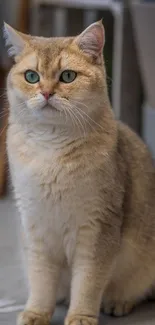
[72, 118]
[70, 113]
[3, 129]
[65, 116]
[80, 116]
[2, 95]
[4, 115]
[87, 114]
[19, 115]
[80, 123]
[3, 111]
[78, 120]
[85, 120]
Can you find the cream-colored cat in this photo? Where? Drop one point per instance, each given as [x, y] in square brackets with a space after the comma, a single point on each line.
[84, 182]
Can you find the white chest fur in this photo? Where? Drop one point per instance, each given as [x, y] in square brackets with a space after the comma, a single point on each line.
[52, 198]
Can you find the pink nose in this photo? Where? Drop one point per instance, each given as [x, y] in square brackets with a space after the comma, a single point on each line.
[46, 94]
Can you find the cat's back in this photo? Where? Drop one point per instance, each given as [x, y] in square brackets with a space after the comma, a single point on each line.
[134, 150]
[139, 202]
[139, 163]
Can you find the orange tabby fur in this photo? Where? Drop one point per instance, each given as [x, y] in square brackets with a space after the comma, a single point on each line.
[84, 182]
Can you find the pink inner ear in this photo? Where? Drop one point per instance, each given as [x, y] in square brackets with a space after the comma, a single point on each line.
[98, 36]
[91, 41]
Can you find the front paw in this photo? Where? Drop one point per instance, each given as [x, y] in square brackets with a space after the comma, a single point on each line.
[81, 320]
[117, 308]
[31, 318]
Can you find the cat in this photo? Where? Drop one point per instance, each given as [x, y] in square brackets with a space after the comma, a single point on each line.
[84, 183]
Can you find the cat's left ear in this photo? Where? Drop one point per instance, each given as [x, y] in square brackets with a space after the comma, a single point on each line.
[14, 40]
[92, 40]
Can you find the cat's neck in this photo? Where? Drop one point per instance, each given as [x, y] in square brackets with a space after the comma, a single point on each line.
[59, 136]
[45, 136]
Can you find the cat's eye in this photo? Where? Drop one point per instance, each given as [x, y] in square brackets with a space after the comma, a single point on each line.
[32, 76]
[68, 76]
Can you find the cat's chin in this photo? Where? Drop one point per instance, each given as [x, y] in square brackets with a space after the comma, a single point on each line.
[46, 114]
[48, 107]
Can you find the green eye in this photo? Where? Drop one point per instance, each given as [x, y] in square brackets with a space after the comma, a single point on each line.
[32, 76]
[68, 76]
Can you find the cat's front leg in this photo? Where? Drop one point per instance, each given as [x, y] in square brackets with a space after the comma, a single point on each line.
[93, 264]
[43, 275]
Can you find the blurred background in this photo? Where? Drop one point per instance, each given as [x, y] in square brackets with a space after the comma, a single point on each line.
[130, 61]
[129, 52]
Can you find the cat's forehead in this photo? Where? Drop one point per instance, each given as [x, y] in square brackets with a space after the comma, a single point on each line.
[53, 45]
[51, 56]
[47, 52]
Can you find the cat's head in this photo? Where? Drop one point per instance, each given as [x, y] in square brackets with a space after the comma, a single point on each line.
[56, 80]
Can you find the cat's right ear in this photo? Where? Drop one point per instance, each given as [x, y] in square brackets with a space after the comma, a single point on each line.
[14, 40]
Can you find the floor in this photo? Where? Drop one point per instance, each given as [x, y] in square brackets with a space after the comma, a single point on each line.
[13, 289]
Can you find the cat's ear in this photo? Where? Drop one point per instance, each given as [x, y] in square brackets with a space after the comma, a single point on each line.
[92, 39]
[14, 40]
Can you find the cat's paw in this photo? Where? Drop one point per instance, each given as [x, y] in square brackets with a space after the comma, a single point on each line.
[117, 308]
[81, 320]
[30, 318]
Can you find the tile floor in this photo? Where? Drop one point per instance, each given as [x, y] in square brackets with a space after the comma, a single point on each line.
[13, 289]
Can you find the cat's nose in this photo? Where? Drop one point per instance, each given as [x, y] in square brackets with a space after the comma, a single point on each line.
[46, 94]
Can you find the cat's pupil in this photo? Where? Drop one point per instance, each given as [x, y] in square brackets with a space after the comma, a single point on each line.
[68, 76]
[32, 76]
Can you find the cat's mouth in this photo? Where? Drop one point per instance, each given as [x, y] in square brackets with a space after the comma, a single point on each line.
[48, 107]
